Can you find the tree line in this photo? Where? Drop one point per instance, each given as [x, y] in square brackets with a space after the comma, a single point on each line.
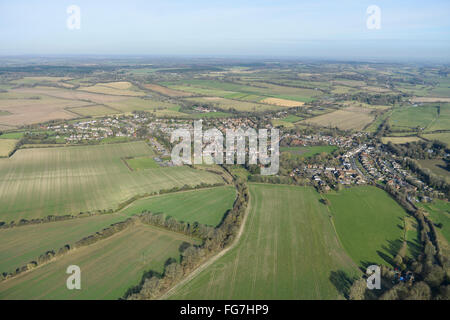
[153, 285]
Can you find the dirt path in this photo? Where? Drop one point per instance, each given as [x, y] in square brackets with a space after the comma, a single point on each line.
[209, 262]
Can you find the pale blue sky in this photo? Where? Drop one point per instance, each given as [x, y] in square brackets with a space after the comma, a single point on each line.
[314, 28]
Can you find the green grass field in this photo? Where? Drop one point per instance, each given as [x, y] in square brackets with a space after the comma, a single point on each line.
[12, 135]
[437, 166]
[292, 118]
[68, 180]
[369, 223]
[24, 244]
[108, 268]
[308, 152]
[439, 211]
[288, 250]
[428, 117]
[443, 137]
[204, 206]
[141, 163]
[413, 117]
[443, 120]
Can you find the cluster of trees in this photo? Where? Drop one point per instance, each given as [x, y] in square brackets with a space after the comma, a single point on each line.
[38, 138]
[50, 218]
[105, 233]
[441, 183]
[429, 269]
[191, 229]
[419, 149]
[376, 99]
[278, 180]
[153, 285]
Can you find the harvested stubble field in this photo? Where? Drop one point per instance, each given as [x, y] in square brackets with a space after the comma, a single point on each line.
[7, 146]
[34, 109]
[288, 250]
[352, 118]
[139, 104]
[114, 88]
[21, 245]
[167, 91]
[68, 180]
[282, 102]
[108, 268]
[94, 110]
[206, 206]
[92, 98]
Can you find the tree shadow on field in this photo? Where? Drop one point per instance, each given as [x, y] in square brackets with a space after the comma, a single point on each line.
[342, 282]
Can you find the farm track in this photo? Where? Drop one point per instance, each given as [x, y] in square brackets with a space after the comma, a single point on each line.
[209, 262]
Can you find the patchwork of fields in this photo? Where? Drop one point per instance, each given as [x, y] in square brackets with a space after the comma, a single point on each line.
[68, 180]
[109, 267]
[289, 250]
[24, 244]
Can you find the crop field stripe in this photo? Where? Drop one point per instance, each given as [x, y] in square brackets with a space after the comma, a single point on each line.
[67, 180]
[267, 263]
[109, 267]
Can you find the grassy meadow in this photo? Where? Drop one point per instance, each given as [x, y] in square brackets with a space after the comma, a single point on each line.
[439, 211]
[206, 206]
[308, 152]
[142, 163]
[369, 223]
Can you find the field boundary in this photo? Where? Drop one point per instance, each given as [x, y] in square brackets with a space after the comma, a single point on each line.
[213, 259]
